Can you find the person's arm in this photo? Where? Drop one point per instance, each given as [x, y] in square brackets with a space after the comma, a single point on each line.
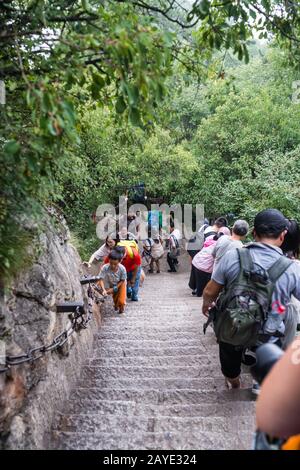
[101, 284]
[214, 286]
[210, 295]
[278, 405]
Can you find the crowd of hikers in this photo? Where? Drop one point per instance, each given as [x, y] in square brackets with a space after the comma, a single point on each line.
[122, 260]
[250, 286]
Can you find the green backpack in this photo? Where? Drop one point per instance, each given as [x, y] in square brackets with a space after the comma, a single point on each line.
[243, 307]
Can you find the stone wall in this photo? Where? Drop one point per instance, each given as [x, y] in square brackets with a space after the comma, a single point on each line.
[30, 393]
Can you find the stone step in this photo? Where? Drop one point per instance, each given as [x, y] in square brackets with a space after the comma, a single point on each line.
[129, 330]
[147, 371]
[120, 383]
[152, 441]
[155, 343]
[99, 423]
[117, 322]
[118, 407]
[157, 360]
[157, 396]
[124, 336]
[148, 351]
[139, 309]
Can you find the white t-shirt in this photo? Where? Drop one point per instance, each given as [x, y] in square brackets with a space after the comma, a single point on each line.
[100, 254]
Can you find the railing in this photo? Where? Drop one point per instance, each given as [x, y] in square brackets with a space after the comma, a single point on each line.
[79, 317]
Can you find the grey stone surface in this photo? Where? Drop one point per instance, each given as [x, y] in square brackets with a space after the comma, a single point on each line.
[30, 393]
[154, 381]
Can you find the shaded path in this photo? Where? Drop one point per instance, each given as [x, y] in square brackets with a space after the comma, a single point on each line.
[154, 381]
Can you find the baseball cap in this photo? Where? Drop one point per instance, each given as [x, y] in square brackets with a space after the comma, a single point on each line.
[270, 221]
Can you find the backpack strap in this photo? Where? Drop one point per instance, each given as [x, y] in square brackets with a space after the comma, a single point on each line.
[209, 234]
[278, 268]
[246, 262]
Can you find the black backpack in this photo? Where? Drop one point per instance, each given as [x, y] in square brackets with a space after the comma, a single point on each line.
[243, 306]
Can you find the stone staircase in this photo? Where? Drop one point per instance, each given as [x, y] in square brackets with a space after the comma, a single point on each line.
[154, 381]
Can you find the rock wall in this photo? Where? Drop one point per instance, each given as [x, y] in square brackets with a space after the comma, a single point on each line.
[31, 392]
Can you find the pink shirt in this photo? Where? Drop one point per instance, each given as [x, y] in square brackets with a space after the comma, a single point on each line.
[204, 260]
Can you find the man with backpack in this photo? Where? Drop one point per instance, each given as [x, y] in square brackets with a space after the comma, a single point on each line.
[173, 249]
[252, 287]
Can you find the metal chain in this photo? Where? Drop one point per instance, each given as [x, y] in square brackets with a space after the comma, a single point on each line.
[78, 320]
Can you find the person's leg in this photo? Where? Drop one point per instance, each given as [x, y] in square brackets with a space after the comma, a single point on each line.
[135, 289]
[202, 278]
[142, 277]
[171, 264]
[129, 288]
[151, 265]
[231, 360]
[120, 298]
[192, 281]
[157, 265]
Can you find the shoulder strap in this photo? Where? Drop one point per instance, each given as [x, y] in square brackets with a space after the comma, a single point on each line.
[209, 234]
[246, 261]
[278, 268]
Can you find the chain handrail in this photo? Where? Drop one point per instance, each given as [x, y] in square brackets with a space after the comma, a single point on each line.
[79, 320]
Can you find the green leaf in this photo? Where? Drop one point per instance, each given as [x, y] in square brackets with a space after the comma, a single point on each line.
[85, 5]
[120, 105]
[132, 93]
[98, 80]
[47, 102]
[240, 53]
[134, 117]
[204, 7]
[51, 128]
[6, 263]
[69, 111]
[12, 147]
[246, 54]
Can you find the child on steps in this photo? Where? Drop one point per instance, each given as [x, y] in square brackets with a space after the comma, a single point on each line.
[113, 280]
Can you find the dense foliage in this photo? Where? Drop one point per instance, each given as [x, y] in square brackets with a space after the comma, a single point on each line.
[84, 113]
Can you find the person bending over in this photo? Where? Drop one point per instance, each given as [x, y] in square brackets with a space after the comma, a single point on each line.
[113, 280]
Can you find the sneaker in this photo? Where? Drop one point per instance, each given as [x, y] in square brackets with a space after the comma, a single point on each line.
[134, 299]
[129, 293]
[255, 388]
[171, 270]
[150, 271]
[194, 292]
